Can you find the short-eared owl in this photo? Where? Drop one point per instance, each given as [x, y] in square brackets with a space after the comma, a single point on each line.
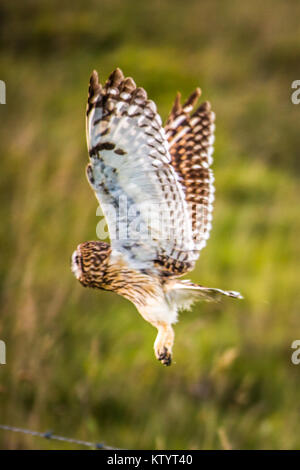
[155, 187]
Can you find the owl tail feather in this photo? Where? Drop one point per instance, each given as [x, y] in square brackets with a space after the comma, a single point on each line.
[184, 294]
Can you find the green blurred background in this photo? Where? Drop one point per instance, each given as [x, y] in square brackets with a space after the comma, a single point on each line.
[80, 361]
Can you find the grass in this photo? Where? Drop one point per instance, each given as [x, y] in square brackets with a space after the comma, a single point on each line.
[80, 361]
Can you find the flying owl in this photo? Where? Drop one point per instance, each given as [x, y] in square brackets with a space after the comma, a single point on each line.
[155, 187]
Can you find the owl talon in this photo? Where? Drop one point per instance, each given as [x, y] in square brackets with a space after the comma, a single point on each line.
[165, 357]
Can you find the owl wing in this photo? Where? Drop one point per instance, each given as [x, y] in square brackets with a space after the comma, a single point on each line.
[190, 138]
[131, 173]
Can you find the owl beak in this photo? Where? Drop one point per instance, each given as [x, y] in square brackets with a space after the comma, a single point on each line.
[75, 264]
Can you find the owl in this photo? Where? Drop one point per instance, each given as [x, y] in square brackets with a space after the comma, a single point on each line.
[155, 187]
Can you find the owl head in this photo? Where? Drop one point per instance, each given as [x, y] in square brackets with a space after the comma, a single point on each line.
[89, 263]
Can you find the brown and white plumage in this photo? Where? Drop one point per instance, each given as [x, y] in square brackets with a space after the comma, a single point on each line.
[190, 138]
[155, 187]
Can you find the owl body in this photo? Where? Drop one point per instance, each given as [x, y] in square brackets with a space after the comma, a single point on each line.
[155, 187]
[96, 265]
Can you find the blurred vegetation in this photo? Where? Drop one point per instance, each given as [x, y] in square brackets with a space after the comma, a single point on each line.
[80, 361]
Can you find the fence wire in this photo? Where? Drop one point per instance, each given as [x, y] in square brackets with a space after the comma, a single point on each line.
[51, 436]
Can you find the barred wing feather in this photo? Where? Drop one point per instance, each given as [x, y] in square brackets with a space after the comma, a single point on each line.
[190, 138]
[131, 173]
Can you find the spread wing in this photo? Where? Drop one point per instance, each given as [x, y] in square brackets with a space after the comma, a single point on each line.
[131, 173]
[190, 138]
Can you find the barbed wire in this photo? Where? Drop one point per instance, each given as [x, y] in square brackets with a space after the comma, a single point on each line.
[51, 436]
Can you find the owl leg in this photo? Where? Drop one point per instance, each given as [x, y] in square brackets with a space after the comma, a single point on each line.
[164, 343]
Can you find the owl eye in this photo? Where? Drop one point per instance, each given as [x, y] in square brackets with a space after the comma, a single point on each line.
[77, 259]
